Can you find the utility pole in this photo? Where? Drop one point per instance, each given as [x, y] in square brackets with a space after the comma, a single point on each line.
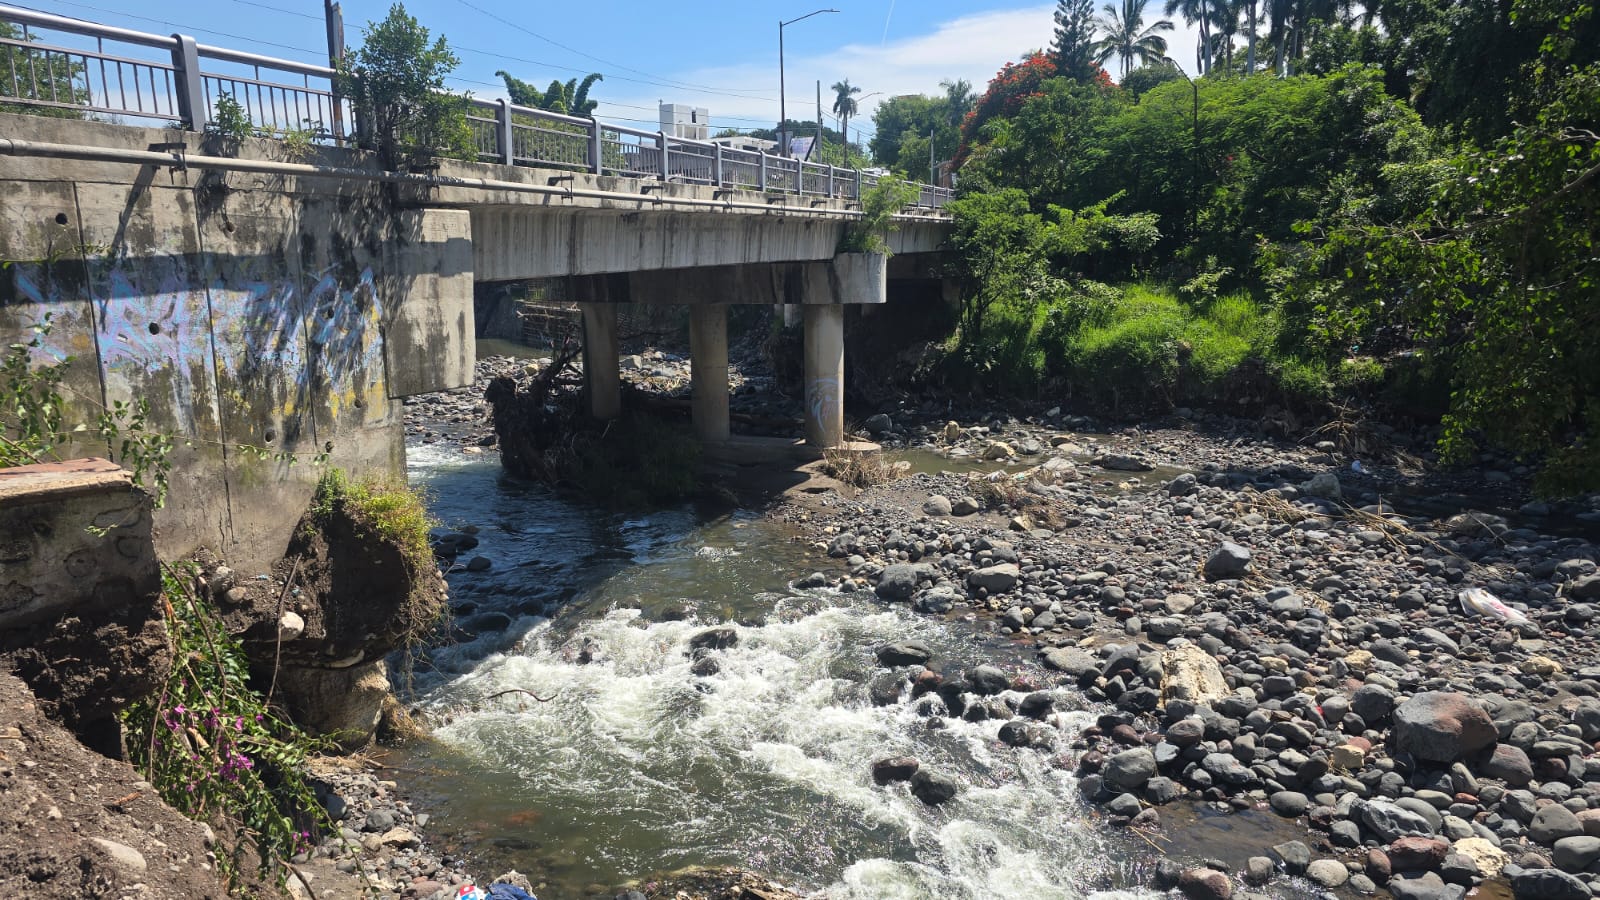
[818, 147]
[933, 169]
[783, 112]
[333, 20]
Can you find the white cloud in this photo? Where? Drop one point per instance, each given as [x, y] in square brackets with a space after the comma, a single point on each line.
[971, 47]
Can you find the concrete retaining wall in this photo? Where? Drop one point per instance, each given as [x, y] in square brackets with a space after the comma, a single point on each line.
[250, 311]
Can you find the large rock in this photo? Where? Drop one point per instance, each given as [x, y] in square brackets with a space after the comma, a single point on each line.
[987, 680]
[1330, 873]
[1205, 884]
[1130, 769]
[1547, 884]
[1509, 764]
[1228, 561]
[995, 579]
[1552, 823]
[1122, 462]
[1422, 886]
[1190, 673]
[1574, 854]
[898, 582]
[1070, 660]
[1440, 726]
[719, 638]
[1390, 822]
[895, 768]
[1486, 854]
[904, 653]
[937, 505]
[933, 788]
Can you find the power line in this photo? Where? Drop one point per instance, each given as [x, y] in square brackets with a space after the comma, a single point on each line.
[660, 80]
[320, 54]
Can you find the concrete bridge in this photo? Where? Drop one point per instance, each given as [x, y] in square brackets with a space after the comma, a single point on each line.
[271, 305]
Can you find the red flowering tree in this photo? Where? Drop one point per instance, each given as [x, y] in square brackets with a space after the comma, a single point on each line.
[1008, 90]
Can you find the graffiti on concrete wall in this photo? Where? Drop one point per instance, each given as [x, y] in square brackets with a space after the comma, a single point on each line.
[822, 399]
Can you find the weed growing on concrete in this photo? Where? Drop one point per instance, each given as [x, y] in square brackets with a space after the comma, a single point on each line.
[230, 121]
[215, 751]
[879, 206]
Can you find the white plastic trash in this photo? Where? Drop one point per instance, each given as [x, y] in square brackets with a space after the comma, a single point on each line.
[1480, 602]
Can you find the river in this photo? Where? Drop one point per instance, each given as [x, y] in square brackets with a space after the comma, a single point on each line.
[610, 760]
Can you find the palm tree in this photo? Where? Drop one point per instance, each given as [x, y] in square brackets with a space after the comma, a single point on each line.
[1251, 8]
[1196, 12]
[571, 98]
[959, 98]
[1128, 39]
[1226, 19]
[844, 106]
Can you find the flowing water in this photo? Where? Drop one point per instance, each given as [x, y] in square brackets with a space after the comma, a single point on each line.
[574, 742]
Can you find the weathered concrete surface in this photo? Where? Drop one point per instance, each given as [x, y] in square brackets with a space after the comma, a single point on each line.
[259, 317]
[51, 562]
[708, 362]
[601, 373]
[80, 614]
[824, 368]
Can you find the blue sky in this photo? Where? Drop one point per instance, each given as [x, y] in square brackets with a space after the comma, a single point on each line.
[718, 54]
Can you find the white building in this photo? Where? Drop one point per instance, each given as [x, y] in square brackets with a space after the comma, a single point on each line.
[680, 120]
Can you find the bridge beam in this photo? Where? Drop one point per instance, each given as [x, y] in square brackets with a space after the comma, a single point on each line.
[602, 371]
[708, 371]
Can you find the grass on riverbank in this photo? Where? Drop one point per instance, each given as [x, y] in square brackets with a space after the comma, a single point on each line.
[1142, 345]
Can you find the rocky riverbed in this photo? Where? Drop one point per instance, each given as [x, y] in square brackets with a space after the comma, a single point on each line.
[1263, 631]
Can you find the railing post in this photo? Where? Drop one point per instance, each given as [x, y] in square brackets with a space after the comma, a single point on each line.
[830, 181]
[716, 166]
[799, 176]
[190, 90]
[596, 147]
[661, 147]
[505, 138]
[763, 179]
[858, 184]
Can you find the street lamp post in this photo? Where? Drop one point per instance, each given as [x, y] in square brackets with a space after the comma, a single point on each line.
[783, 110]
[1194, 176]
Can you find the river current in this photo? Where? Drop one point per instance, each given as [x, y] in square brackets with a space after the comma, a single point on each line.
[573, 742]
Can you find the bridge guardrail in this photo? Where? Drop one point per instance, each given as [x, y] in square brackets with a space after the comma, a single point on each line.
[183, 81]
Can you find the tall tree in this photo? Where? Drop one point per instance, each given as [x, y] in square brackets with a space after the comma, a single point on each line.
[844, 106]
[1196, 12]
[1127, 38]
[1072, 49]
[1251, 11]
[1225, 19]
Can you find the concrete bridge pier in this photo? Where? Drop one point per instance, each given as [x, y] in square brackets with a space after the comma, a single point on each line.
[602, 363]
[824, 374]
[708, 371]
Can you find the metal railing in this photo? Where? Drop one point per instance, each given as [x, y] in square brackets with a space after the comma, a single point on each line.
[133, 74]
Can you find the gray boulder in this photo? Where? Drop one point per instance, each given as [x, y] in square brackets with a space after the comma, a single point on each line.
[994, 579]
[1130, 769]
[898, 582]
[1441, 726]
[1229, 561]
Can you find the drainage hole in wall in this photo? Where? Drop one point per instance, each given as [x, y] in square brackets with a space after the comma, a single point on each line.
[155, 328]
[270, 436]
[61, 218]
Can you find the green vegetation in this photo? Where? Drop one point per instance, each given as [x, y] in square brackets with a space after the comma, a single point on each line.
[570, 98]
[879, 205]
[215, 749]
[229, 120]
[1373, 218]
[41, 76]
[396, 81]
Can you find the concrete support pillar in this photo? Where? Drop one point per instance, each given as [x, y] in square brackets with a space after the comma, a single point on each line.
[708, 370]
[602, 372]
[824, 352]
[791, 314]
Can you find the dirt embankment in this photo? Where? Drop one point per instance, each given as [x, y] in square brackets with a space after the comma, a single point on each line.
[78, 825]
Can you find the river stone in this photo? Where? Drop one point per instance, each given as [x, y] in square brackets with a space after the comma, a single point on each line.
[1258, 870]
[720, 638]
[895, 768]
[1289, 804]
[1190, 673]
[1390, 822]
[878, 425]
[1509, 764]
[1547, 884]
[131, 861]
[965, 506]
[1294, 855]
[933, 788]
[1121, 462]
[1574, 854]
[1228, 561]
[1439, 726]
[904, 653]
[1186, 732]
[1415, 853]
[987, 680]
[1130, 769]
[898, 582]
[290, 626]
[1422, 886]
[1205, 884]
[938, 505]
[1553, 823]
[1330, 873]
[1486, 854]
[1070, 660]
[1373, 703]
[995, 579]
